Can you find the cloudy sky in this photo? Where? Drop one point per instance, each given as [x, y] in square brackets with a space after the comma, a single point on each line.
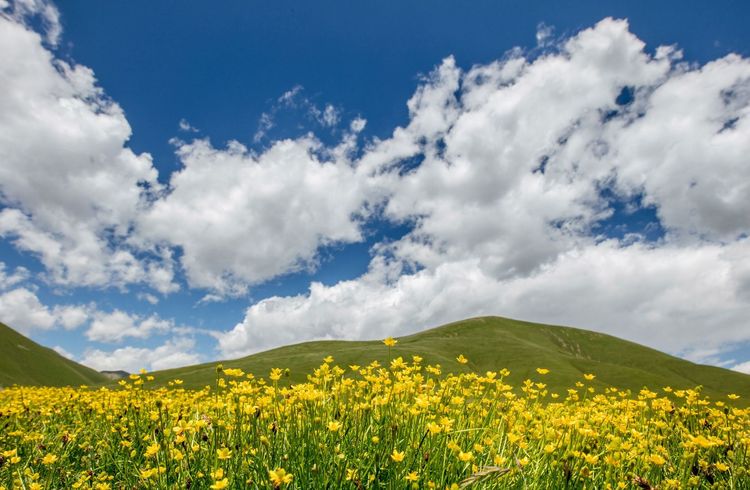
[181, 185]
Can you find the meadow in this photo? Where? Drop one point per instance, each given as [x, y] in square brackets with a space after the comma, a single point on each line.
[398, 424]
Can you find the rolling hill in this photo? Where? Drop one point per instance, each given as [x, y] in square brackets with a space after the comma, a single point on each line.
[24, 362]
[493, 343]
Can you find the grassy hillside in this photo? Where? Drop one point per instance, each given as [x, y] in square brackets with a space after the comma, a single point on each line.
[493, 343]
[24, 362]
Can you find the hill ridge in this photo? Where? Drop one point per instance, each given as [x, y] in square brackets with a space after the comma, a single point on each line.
[492, 343]
[25, 362]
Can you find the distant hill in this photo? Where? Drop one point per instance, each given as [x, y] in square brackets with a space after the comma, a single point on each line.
[493, 343]
[24, 362]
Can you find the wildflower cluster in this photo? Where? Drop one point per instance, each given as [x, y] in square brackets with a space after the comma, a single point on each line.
[405, 425]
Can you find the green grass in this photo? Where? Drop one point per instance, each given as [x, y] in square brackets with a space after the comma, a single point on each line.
[24, 362]
[493, 343]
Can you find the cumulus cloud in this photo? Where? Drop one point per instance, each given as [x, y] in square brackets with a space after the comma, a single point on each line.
[69, 186]
[673, 298]
[93, 211]
[520, 159]
[117, 325]
[173, 353]
[10, 279]
[21, 309]
[241, 218]
[24, 10]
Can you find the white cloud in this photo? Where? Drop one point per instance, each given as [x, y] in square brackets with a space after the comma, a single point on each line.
[117, 325]
[357, 125]
[173, 353]
[241, 218]
[149, 298]
[21, 309]
[506, 201]
[7, 281]
[63, 352]
[46, 11]
[743, 367]
[544, 34]
[187, 127]
[70, 188]
[71, 317]
[687, 152]
[672, 298]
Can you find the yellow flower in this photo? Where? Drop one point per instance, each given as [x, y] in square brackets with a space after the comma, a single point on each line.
[152, 450]
[223, 453]
[589, 377]
[733, 396]
[412, 477]
[49, 459]
[461, 359]
[542, 371]
[148, 473]
[220, 484]
[721, 467]
[591, 459]
[334, 426]
[279, 477]
[328, 359]
[656, 460]
[462, 456]
[390, 341]
[275, 374]
[234, 372]
[397, 456]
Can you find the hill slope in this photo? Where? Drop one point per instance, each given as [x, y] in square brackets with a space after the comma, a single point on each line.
[24, 362]
[493, 343]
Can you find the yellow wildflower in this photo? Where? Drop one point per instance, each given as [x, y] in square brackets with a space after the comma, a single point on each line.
[279, 477]
[49, 459]
[397, 456]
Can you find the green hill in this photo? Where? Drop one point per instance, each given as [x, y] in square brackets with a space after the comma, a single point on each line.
[493, 343]
[24, 362]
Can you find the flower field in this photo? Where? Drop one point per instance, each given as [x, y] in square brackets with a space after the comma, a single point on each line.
[403, 425]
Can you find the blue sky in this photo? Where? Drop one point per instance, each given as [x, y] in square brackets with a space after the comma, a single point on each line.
[181, 185]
